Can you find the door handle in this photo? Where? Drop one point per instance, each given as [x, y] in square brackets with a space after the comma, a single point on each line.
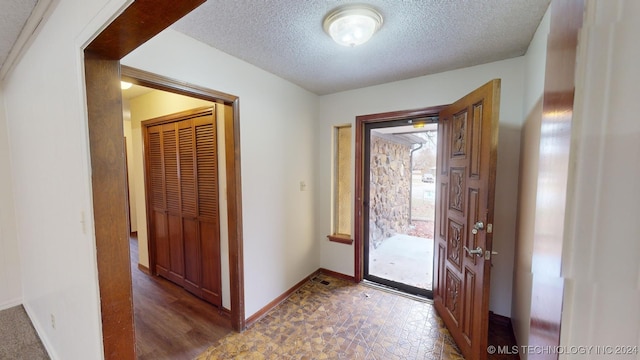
[477, 226]
[477, 251]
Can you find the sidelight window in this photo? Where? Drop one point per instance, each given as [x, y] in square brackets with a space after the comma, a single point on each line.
[342, 185]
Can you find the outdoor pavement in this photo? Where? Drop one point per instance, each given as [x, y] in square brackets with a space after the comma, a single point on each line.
[404, 258]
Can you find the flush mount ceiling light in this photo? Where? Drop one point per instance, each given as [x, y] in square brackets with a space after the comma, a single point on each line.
[352, 25]
[125, 85]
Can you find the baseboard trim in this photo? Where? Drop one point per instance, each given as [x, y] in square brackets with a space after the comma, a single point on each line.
[144, 269]
[277, 301]
[337, 275]
[41, 332]
[224, 312]
[10, 303]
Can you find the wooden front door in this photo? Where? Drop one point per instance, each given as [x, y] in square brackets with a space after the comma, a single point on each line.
[182, 192]
[468, 135]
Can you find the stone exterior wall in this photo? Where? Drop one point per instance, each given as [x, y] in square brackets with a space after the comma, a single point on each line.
[389, 191]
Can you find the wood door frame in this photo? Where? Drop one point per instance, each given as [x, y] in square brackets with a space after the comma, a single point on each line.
[359, 222]
[147, 79]
[548, 279]
[139, 22]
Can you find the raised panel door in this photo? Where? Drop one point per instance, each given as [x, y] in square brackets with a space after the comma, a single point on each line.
[467, 160]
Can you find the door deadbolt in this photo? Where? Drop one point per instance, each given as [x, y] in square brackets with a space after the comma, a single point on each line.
[477, 226]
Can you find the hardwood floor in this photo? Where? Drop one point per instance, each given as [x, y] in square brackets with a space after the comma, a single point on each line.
[170, 322]
[501, 335]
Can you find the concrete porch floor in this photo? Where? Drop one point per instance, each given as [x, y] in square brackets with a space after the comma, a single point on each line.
[404, 258]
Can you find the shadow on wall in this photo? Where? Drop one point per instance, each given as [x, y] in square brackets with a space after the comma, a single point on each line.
[506, 202]
[525, 224]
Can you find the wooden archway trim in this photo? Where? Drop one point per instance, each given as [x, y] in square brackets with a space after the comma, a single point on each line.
[142, 20]
[232, 151]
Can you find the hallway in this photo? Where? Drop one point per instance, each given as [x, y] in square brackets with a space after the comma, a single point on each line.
[170, 322]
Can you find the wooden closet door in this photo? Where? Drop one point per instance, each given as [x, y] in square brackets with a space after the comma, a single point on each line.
[208, 216]
[182, 174]
[189, 203]
[158, 231]
[174, 213]
[166, 218]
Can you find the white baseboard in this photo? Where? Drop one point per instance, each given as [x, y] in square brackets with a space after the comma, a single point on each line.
[41, 333]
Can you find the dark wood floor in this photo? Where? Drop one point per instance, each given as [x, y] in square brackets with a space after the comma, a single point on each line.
[501, 335]
[170, 322]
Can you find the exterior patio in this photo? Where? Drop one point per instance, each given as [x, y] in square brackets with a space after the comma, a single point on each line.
[401, 220]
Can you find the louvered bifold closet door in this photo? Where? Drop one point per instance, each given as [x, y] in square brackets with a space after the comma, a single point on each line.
[192, 251]
[208, 217]
[174, 213]
[158, 230]
[183, 200]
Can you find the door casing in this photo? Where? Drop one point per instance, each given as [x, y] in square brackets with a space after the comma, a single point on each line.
[104, 122]
[232, 163]
[370, 126]
[359, 187]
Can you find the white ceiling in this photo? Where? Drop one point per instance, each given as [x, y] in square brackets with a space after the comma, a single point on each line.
[13, 16]
[418, 37]
[135, 91]
[285, 37]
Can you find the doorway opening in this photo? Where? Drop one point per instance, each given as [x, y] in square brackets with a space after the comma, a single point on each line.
[412, 129]
[102, 72]
[190, 297]
[399, 194]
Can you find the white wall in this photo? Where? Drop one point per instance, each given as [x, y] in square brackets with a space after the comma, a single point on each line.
[276, 127]
[535, 61]
[47, 125]
[438, 89]
[602, 244]
[10, 283]
[126, 126]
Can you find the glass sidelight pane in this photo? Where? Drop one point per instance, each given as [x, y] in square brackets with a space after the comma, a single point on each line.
[342, 181]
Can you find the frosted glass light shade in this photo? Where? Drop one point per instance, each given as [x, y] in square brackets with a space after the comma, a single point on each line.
[352, 25]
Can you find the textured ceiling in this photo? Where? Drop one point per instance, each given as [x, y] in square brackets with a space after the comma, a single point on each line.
[418, 37]
[285, 37]
[13, 16]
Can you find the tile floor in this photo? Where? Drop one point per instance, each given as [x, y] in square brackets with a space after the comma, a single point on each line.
[328, 318]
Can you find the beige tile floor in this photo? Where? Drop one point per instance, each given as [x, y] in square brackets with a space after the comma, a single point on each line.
[328, 318]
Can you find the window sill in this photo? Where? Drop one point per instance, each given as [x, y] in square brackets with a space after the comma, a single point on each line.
[342, 239]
